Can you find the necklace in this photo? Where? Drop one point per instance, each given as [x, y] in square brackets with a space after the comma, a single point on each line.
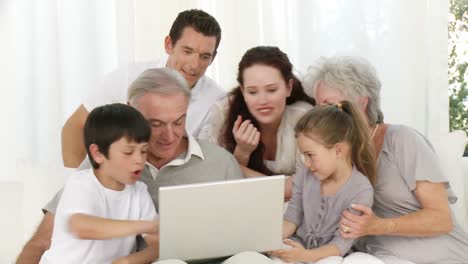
[374, 131]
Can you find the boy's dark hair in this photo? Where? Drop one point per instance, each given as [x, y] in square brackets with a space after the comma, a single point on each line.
[109, 123]
[200, 21]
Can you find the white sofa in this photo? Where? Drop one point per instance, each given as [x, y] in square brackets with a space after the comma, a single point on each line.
[450, 150]
[21, 201]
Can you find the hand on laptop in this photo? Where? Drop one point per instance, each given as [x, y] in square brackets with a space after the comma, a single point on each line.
[291, 251]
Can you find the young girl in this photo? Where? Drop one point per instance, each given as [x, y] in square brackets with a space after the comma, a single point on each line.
[339, 167]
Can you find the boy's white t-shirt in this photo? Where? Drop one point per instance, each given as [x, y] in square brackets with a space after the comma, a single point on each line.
[83, 193]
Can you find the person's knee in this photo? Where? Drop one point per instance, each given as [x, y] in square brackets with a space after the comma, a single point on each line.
[330, 260]
[361, 257]
[170, 261]
[388, 259]
[248, 257]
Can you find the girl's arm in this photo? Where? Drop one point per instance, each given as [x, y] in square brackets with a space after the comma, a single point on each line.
[321, 252]
[289, 229]
[98, 228]
[297, 253]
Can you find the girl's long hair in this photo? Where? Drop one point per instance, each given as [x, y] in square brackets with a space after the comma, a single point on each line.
[342, 122]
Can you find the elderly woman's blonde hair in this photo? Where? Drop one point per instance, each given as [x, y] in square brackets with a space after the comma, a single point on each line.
[354, 77]
[157, 80]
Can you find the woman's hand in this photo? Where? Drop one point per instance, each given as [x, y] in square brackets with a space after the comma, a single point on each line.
[355, 226]
[247, 138]
[432, 219]
[296, 252]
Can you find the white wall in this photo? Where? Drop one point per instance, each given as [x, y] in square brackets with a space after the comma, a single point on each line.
[405, 40]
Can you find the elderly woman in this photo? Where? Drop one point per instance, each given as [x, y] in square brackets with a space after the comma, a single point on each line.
[411, 220]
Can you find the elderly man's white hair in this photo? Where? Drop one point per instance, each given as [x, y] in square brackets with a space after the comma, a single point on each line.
[354, 77]
[157, 80]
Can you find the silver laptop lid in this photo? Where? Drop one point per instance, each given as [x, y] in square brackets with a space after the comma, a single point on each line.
[217, 219]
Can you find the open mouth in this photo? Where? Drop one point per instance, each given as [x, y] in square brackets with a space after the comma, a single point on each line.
[136, 174]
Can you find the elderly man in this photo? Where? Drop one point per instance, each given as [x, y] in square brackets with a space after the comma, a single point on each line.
[174, 156]
[191, 47]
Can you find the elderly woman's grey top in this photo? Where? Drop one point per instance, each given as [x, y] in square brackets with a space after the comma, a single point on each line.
[317, 216]
[405, 158]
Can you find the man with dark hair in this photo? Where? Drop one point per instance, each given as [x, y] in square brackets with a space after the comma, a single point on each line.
[192, 44]
[191, 47]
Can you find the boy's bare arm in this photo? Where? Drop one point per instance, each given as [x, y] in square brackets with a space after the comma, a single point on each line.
[147, 255]
[39, 243]
[73, 149]
[98, 228]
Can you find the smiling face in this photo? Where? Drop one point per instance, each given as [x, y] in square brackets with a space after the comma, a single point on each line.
[191, 54]
[320, 160]
[265, 92]
[123, 164]
[166, 114]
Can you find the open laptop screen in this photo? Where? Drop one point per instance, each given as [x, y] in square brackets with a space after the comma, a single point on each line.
[217, 219]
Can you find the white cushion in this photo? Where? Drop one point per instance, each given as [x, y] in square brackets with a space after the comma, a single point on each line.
[21, 202]
[450, 151]
[41, 182]
[11, 229]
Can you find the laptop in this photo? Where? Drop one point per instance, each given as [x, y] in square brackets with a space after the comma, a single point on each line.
[219, 219]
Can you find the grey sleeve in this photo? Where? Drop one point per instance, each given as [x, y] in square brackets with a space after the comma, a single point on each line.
[51, 206]
[295, 211]
[416, 158]
[365, 197]
[85, 164]
[233, 170]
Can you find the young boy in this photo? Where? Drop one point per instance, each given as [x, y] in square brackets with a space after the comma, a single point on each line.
[103, 209]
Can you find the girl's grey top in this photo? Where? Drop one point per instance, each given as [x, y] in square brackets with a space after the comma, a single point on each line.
[317, 216]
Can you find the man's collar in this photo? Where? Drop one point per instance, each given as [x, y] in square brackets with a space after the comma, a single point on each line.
[193, 149]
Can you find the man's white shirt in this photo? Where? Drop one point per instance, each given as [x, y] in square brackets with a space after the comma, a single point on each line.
[114, 90]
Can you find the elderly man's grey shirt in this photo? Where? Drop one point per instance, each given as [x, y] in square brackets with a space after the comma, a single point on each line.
[317, 216]
[217, 165]
[405, 158]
